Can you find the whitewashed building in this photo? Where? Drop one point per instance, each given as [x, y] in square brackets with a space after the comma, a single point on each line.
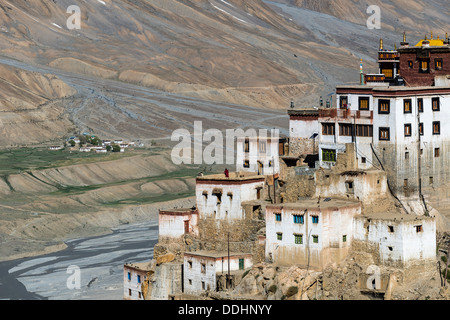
[176, 223]
[397, 239]
[258, 154]
[315, 232]
[134, 276]
[221, 197]
[207, 271]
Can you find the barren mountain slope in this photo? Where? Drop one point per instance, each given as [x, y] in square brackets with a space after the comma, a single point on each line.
[30, 109]
[253, 53]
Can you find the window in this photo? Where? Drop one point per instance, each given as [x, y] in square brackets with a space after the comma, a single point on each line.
[298, 238]
[431, 180]
[329, 155]
[246, 164]
[262, 147]
[364, 130]
[343, 102]
[277, 216]
[139, 279]
[247, 145]
[390, 248]
[315, 239]
[388, 73]
[407, 106]
[241, 264]
[190, 264]
[435, 104]
[344, 238]
[140, 295]
[129, 276]
[363, 103]
[349, 187]
[419, 229]
[190, 282]
[384, 106]
[129, 292]
[363, 160]
[436, 127]
[424, 66]
[436, 152]
[391, 229]
[406, 155]
[438, 64]
[203, 267]
[408, 130]
[315, 219]
[421, 129]
[410, 64]
[279, 236]
[203, 285]
[270, 163]
[345, 129]
[299, 219]
[328, 129]
[405, 183]
[384, 134]
[420, 104]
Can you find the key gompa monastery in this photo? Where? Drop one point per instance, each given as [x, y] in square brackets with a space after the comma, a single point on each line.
[356, 174]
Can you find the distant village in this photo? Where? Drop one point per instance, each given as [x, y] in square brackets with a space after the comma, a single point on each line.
[91, 143]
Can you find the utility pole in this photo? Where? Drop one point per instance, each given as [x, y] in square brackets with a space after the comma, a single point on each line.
[229, 276]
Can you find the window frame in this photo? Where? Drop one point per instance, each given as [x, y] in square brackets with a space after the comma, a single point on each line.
[420, 105]
[384, 129]
[436, 125]
[361, 99]
[408, 130]
[436, 61]
[405, 103]
[346, 129]
[328, 129]
[298, 238]
[388, 106]
[435, 104]
[278, 217]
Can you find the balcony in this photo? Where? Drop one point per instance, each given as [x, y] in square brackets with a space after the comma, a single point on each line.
[345, 114]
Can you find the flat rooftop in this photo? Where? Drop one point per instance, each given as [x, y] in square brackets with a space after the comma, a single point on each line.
[144, 266]
[394, 216]
[216, 254]
[324, 203]
[233, 176]
[391, 88]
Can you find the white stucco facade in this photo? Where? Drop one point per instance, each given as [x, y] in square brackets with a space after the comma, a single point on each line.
[221, 197]
[401, 240]
[306, 232]
[258, 154]
[202, 268]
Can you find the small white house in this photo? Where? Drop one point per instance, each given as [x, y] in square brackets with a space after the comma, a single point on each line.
[205, 270]
[400, 239]
[310, 232]
[134, 275]
[176, 223]
[221, 197]
[258, 154]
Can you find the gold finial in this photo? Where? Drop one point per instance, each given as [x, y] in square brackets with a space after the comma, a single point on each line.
[431, 35]
[381, 44]
[426, 37]
[404, 36]
[395, 46]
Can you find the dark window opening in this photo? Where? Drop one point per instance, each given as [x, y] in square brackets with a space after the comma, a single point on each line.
[407, 106]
